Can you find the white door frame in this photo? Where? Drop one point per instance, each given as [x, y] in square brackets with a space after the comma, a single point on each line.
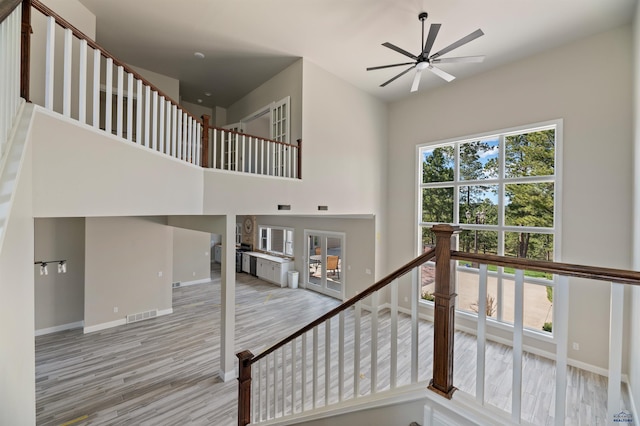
[343, 272]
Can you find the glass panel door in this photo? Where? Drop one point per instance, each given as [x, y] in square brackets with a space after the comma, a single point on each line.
[325, 263]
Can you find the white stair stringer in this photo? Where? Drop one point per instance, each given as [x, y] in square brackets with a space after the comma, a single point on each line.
[11, 163]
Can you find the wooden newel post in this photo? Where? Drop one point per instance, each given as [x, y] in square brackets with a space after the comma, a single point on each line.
[244, 388]
[299, 158]
[25, 50]
[444, 313]
[205, 141]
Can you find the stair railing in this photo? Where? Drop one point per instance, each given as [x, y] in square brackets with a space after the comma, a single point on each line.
[290, 378]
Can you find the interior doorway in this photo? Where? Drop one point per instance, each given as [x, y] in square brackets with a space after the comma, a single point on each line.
[324, 262]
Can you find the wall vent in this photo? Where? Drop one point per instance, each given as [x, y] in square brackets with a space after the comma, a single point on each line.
[284, 206]
[323, 208]
[174, 285]
[142, 316]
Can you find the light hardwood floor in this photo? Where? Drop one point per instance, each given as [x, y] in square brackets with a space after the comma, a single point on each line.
[165, 371]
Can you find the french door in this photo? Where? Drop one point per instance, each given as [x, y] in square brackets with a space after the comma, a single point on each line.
[324, 262]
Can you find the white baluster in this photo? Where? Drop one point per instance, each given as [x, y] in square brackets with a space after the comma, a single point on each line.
[120, 101]
[161, 129]
[108, 106]
[374, 341]
[561, 334]
[179, 137]
[303, 379]
[214, 159]
[356, 349]
[516, 388]
[481, 339]
[185, 135]
[66, 73]
[315, 367]
[130, 91]
[224, 137]
[341, 356]
[293, 376]
[167, 121]
[616, 326]
[262, 157]
[327, 360]
[199, 153]
[174, 132]
[154, 121]
[97, 56]
[147, 116]
[82, 82]
[415, 291]
[244, 155]
[49, 62]
[188, 120]
[138, 111]
[393, 356]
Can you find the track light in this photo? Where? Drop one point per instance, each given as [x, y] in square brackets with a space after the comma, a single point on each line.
[44, 269]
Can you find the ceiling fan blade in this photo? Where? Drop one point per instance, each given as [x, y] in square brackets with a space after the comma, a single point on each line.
[433, 32]
[441, 74]
[464, 40]
[458, 59]
[400, 50]
[388, 66]
[416, 80]
[397, 76]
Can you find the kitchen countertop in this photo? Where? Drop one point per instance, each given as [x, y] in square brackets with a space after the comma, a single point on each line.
[269, 257]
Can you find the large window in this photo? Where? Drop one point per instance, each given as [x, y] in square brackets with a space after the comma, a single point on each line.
[502, 190]
[275, 239]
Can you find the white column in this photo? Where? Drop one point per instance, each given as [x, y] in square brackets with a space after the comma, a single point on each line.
[228, 301]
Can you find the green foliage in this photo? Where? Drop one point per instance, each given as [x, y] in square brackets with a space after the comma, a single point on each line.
[438, 165]
[550, 294]
[426, 295]
[547, 326]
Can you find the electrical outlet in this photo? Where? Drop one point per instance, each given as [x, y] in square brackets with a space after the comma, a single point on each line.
[576, 346]
[115, 309]
[367, 271]
[194, 274]
[159, 273]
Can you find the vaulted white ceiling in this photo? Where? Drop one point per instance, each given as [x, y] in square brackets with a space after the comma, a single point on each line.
[246, 42]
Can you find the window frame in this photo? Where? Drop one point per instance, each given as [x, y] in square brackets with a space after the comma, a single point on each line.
[265, 239]
[501, 181]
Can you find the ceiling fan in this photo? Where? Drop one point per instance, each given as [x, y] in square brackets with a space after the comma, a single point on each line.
[426, 60]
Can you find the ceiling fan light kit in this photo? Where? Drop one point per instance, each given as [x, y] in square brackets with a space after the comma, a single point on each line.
[426, 60]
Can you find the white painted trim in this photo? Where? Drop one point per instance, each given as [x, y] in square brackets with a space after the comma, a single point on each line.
[104, 325]
[227, 376]
[633, 407]
[194, 282]
[123, 321]
[62, 327]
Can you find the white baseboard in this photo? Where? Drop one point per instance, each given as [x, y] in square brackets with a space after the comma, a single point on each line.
[63, 327]
[227, 376]
[105, 325]
[633, 407]
[194, 282]
[123, 321]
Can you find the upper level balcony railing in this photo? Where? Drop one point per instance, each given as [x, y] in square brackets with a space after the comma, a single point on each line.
[67, 72]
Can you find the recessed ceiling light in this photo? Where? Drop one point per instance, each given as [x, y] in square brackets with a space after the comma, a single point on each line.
[207, 93]
[199, 55]
[199, 101]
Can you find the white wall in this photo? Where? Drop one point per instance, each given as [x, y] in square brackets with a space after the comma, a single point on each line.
[128, 266]
[358, 253]
[82, 172]
[634, 334]
[59, 298]
[597, 167]
[286, 83]
[191, 255]
[17, 348]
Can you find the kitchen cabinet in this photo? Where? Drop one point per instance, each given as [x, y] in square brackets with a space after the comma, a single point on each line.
[217, 253]
[270, 268]
[246, 263]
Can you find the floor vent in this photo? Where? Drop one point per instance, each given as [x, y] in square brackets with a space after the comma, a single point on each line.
[142, 316]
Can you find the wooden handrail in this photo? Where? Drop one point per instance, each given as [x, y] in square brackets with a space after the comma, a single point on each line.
[6, 7]
[251, 136]
[299, 158]
[39, 6]
[593, 272]
[426, 256]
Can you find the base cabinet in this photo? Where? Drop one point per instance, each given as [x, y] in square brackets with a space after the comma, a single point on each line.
[275, 272]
